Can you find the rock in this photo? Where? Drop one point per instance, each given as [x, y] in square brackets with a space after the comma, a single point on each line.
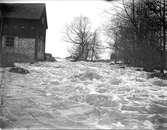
[138, 69]
[19, 70]
[158, 75]
[148, 69]
[49, 57]
[123, 67]
[112, 63]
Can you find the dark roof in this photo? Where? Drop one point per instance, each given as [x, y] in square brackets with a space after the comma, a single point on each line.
[23, 11]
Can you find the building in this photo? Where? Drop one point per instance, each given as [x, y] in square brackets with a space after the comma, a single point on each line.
[22, 33]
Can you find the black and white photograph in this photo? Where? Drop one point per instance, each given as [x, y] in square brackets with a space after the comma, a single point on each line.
[83, 64]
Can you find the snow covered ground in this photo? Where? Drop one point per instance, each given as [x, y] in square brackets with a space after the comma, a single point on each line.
[67, 94]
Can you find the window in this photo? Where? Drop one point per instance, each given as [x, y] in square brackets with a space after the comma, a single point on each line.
[9, 41]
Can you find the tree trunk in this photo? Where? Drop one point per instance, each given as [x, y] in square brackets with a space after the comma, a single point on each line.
[164, 40]
[161, 53]
[1, 28]
[80, 54]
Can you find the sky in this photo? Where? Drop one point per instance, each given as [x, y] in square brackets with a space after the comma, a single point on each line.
[62, 12]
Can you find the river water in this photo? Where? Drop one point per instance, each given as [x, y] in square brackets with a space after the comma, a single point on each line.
[84, 95]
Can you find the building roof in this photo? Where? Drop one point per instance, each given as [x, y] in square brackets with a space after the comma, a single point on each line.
[23, 10]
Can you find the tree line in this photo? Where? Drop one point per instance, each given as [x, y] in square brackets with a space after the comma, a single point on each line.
[138, 30]
[139, 33]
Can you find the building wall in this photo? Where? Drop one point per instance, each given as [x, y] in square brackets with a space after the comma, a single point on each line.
[23, 50]
[29, 43]
[40, 49]
[25, 46]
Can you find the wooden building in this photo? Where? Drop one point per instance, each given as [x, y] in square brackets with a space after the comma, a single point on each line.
[22, 33]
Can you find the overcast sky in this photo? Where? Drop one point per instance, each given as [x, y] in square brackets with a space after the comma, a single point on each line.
[62, 12]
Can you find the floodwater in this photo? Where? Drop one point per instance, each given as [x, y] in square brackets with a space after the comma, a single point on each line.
[83, 95]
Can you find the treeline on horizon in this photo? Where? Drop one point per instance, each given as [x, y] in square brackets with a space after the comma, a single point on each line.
[139, 32]
[136, 33]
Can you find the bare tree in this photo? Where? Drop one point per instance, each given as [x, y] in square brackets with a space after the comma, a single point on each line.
[94, 48]
[142, 33]
[79, 33]
[158, 9]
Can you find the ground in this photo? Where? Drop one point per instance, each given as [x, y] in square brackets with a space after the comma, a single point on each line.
[66, 94]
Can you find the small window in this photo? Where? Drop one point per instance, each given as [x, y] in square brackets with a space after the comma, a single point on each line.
[9, 41]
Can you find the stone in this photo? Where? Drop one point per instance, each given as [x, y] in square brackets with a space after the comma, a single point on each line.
[19, 70]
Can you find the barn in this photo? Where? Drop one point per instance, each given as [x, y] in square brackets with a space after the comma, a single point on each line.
[22, 32]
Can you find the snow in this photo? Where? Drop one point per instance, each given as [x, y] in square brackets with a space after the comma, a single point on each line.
[66, 94]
